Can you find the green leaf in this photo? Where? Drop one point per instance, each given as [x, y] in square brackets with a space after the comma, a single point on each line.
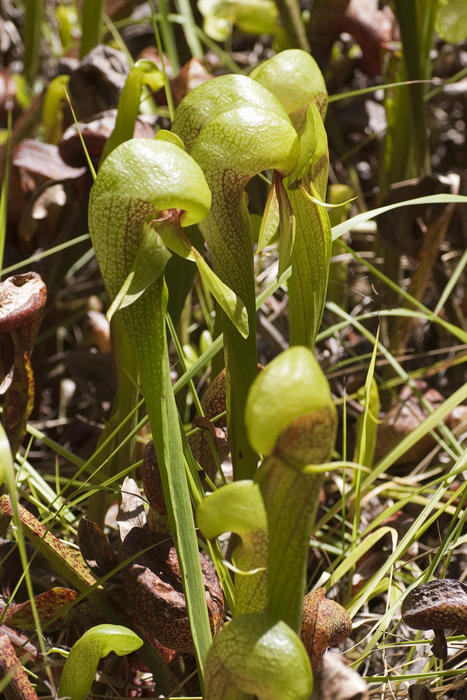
[269, 220]
[308, 144]
[367, 424]
[237, 507]
[352, 223]
[52, 108]
[81, 664]
[294, 77]
[351, 560]
[251, 16]
[149, 263]
[451, 20]
[225, 297]
[165, 135]
[143, 72]
[287, 227]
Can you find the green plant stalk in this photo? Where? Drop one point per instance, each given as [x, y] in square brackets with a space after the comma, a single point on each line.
[292, 419]
[292, 23]
[189, 28]
[291, 499]
[91, 25]
[166, 30]
[139, 179]
[426, 11]
[310, 260]
[234, 129]
[4, 193]
[406, 13]
[32, 38]
[338, 271]
[241, 360]
[154, 367]
[142, 73]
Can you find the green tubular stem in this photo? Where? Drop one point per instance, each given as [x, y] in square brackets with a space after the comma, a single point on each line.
[291, 418]
[291, 499]
[91, 25]
[138, 179]
[234, 128]
[148, 313]
[32, 38]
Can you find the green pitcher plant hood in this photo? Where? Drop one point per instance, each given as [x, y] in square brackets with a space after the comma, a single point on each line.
[140, 178]
[292, 385]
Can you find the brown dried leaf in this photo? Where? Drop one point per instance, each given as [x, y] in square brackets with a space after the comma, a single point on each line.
[64, 561]
[402, 419]
[157, 516]
[372, 28]
[7, 90]
[155, 591]
[325, 623]
[98, 81]
[95, 548]
[94, 133]
[44, 159]
[23, 647]
[19, 687]
[50, 605]
[213, 438]
[420, 692]
[10, 566]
